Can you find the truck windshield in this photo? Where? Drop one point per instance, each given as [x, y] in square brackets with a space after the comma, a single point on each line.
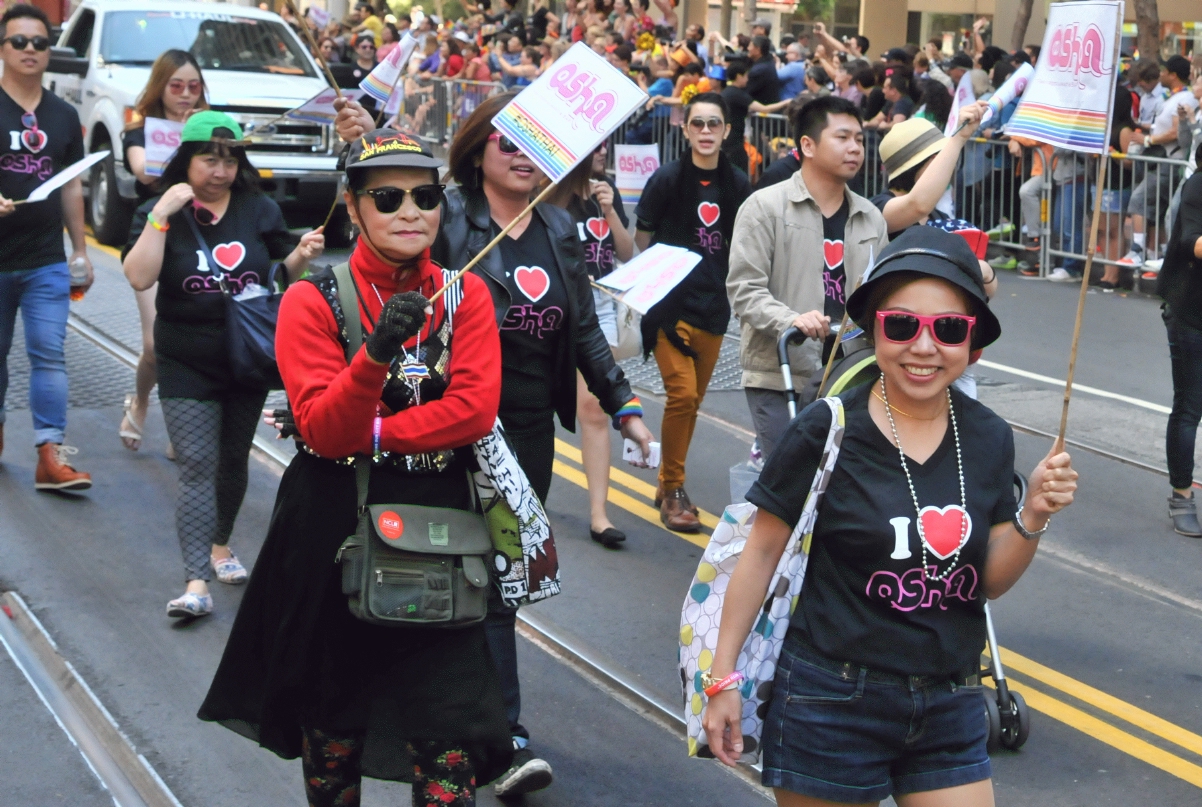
[218, 41]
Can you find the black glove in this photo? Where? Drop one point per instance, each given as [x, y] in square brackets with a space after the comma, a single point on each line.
[285, 423]
[402, 317]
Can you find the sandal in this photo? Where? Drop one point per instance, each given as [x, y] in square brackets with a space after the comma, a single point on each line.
[229, 570]
[190, 606]
[131, 432]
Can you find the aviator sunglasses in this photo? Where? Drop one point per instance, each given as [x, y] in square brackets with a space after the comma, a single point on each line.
[949, 330]
[389, 199]
[177, 86]
[504, 144]
[701, 124]
[21, 42]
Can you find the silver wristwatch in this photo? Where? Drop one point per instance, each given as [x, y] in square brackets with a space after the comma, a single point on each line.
[1023, 531]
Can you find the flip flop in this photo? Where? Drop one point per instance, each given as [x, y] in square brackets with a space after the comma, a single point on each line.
[130, 432]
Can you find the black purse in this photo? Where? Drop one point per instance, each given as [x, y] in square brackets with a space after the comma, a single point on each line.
[249, 325]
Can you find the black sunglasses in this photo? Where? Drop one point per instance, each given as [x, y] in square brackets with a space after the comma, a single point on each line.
[21, 42]
[202, 214]
[389, 199]
[504, 144]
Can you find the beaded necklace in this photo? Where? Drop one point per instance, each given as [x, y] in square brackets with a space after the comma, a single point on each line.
[951, 415]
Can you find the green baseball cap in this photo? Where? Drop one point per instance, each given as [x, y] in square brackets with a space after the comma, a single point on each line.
[208, 125]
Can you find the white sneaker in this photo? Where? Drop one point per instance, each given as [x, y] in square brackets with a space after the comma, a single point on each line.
[1060, 275]
[190, 606]
[1133, 258]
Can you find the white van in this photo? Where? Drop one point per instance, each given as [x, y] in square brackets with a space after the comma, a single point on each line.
[255, 68]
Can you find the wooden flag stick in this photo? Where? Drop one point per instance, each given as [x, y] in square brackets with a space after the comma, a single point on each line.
[1089, 253]
[542, 196]
[830, 362]
[316, 51]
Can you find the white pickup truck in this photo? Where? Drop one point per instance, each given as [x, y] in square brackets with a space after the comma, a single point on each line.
[255, 68]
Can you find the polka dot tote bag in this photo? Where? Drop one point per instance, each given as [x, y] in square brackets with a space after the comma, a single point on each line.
[702, 610]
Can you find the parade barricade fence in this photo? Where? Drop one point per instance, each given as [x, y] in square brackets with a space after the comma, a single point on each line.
[434, 108]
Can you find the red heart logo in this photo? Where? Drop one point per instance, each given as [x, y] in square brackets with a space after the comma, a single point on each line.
[34, 139]
[945, 530]
[977, 240]
[708, 212]
[598, 228]
[833, 252]
[533, 281]
[228, 256]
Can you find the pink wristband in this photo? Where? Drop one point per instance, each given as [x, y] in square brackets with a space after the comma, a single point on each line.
[726, 683]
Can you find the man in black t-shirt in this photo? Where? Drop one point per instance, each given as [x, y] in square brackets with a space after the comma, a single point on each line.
[39, 137]
[690, 203]
[783, 274]
[738, 104]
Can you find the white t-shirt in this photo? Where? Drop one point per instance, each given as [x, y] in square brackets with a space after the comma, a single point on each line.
[1167, 116]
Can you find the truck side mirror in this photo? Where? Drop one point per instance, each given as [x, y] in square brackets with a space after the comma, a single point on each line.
[65, 60]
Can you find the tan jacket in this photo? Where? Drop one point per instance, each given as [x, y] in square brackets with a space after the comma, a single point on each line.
[776, 264]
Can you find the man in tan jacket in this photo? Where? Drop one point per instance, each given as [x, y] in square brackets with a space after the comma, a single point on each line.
[797, 252]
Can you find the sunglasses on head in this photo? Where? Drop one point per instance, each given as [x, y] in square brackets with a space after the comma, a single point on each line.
[21, 42]
[389, 199]
[177, 86]
[949, 330]
[504, 144]
[701, 124]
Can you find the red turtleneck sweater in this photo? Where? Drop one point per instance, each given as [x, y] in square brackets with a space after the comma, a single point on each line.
[335, 405]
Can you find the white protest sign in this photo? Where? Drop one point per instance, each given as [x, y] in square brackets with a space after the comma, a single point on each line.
[162, 141]
[649, 277]
[1011, 89]
[963, 96]
[635, 165]
[562, 117]
[320, 108]
[1068, 101]
[319, 16]
[42, 192]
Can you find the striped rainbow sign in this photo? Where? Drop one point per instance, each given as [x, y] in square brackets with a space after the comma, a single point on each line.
[1077, 129]
[535, 140]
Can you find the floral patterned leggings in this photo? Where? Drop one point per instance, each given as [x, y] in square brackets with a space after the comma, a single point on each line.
[442, 776]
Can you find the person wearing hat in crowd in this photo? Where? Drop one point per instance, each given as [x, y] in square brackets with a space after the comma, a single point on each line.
[797, 249]
[763, 85]
[918, 527]
[211, 190]
[761, 27]
[300, 674]
[959, 64]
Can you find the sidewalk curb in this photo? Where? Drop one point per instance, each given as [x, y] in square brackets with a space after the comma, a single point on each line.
[149, 788]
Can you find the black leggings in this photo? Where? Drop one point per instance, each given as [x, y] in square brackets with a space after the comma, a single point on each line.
[442, 776]
[212, 444]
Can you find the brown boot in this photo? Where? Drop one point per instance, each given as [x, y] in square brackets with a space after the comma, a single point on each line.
[676, 512]
[54, 473]
[659, 501]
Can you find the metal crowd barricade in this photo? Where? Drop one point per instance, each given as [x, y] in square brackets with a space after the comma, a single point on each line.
[434, 108]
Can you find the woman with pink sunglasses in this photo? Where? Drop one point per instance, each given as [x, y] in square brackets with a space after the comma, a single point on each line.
[877, 689]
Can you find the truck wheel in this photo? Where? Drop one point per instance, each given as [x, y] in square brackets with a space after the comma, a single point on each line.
[110, 213]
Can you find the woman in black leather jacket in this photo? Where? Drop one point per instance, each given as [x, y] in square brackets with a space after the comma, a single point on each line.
[549, 329]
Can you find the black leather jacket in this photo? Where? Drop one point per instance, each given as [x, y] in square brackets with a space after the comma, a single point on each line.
[467, 229]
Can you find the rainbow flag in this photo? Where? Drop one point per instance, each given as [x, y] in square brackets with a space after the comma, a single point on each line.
[535, 140]
[1077, 129]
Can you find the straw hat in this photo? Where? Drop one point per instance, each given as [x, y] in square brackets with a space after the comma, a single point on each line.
[909, 143]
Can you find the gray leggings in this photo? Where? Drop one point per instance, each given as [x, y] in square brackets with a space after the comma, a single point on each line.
[212, 444]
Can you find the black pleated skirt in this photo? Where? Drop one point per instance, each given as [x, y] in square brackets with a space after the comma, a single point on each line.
[296, 657]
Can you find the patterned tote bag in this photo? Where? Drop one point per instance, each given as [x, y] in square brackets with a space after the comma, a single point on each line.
[702, 611]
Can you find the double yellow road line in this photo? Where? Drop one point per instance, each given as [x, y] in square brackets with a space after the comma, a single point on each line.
[1103, 717]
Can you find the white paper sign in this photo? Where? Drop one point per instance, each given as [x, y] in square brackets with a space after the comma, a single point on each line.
[42, 192]
[962, 97]
[320, 108]
[651, 275]
[635, 165]
[162, 141]
[1068, 100]
[319, 16]
[561, 118]
[1011, 89]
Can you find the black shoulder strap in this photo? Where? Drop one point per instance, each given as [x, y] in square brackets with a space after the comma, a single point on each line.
[349, 298]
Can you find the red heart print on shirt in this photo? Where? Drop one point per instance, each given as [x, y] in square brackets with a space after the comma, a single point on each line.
[598, 228]
[34, 139]
[228, 256]
[945, 530]
[533, 281]
[833, 252]
[708, 213]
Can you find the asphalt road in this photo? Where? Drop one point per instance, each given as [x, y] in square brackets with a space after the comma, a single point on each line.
[1099, 635]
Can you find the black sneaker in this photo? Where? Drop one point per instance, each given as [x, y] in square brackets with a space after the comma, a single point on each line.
[527, 774]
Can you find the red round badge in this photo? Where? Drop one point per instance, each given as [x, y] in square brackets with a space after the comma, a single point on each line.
[390, 525]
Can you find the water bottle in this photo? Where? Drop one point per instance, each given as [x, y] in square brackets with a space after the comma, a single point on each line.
[79, 277]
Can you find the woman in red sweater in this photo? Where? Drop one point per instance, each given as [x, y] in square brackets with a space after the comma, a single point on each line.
[300, 674]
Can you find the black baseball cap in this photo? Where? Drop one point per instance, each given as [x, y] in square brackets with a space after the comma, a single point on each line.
[932, 252]
[388, 148]
[1177, 64]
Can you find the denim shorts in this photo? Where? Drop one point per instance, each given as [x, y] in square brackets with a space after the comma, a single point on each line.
[845, 733]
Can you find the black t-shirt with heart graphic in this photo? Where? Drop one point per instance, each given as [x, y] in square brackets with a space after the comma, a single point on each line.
[32, 236]
[834, 278]
[189, 329]
[595, 236]
[865, 599]
[533, 327]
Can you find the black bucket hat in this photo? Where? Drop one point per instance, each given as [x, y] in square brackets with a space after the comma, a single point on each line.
[388, 148]
[932, 252]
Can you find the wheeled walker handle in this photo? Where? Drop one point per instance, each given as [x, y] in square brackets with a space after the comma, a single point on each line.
[792, 335]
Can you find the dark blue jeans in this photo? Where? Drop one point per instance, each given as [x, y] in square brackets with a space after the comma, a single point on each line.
[1068, 219]
[1185, 350]
[43, 296]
